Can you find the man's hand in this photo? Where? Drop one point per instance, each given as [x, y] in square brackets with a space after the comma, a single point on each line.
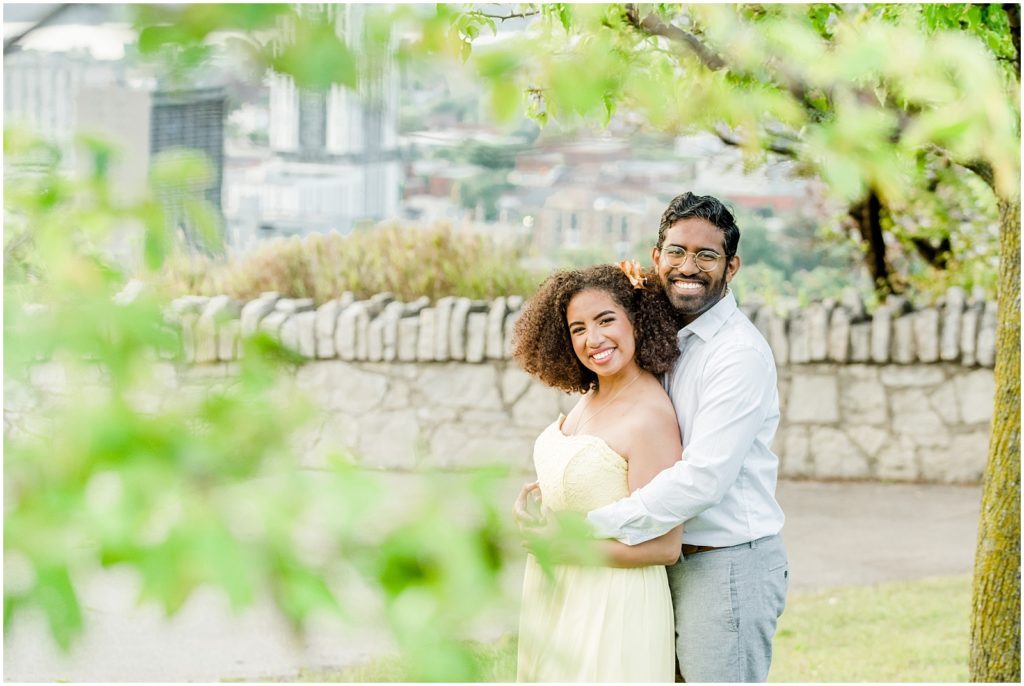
[527, 508]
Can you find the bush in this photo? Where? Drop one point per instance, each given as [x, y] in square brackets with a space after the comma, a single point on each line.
[409, 263]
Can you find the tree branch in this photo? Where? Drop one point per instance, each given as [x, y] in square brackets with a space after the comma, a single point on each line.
[778, 145]
[521, 15]
[982, 168]
[11, 43]
[652, 25]
[935, 255]
[655, 26]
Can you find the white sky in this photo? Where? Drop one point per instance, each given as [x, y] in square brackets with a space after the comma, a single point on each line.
[105, 41]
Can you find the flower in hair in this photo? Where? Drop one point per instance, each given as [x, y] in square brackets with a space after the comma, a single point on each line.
[633, 271]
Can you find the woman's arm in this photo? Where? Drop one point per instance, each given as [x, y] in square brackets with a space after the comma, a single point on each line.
[655, 447]
[663, 550]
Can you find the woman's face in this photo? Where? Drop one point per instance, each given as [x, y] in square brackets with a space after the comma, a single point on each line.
[602, 335]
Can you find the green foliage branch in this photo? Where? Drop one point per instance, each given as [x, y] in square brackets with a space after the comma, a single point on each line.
[116, 458]
[877, 100]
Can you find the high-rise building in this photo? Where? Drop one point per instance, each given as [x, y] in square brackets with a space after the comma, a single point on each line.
[339, 144]
[357, 124]
[41, 88]
[191, 120]
[143, 123]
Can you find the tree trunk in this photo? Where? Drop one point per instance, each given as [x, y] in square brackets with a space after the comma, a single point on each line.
[867, 217]
[995, 606]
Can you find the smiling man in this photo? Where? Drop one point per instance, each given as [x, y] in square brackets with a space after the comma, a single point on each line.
[729, 586]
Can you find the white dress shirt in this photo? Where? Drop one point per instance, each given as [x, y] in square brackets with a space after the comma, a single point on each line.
[725, 391]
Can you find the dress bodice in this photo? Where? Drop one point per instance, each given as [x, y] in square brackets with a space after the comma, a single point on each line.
[578, 473]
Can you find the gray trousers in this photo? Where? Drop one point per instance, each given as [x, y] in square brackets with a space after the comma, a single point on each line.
[727, 603]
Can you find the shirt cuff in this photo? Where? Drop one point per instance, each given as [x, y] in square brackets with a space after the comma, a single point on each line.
[611, 521]
[602, 527]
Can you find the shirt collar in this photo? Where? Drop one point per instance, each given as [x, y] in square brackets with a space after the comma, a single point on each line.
[707, 325]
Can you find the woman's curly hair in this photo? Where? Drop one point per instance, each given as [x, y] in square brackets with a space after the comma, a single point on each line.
[541, 342]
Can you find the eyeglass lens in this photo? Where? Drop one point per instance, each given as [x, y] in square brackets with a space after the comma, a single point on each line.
[704, 259]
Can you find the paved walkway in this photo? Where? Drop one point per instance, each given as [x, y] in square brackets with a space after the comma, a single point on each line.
[858, 534]
[837, 534]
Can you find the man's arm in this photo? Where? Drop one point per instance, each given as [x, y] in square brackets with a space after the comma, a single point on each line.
[732, 411]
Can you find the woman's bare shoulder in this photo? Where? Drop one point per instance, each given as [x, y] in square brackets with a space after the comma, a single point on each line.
[653, 411]
[654, 442]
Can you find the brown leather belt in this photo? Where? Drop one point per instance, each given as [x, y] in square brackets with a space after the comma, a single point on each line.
[694, 549]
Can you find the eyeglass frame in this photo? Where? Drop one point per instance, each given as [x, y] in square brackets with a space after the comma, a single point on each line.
[687, 253]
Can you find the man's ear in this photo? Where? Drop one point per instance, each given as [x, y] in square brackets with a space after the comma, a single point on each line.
[732, 267]
[655, 256]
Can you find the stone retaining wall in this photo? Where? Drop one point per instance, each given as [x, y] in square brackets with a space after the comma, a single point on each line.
[901, 394]
[904, 395]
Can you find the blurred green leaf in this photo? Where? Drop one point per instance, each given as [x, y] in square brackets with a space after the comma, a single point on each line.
[56, 595]
[193, 23]
[11, 604]
[505, 99]
[157, 245]
[567, 540]
[166, 576]
[228, 564]
[609, 106]
[565, 17]
[101, 153]
[300, 591]
[205, 220]
[497, 63]
[315, 56]
[181, 169]
[153, 38]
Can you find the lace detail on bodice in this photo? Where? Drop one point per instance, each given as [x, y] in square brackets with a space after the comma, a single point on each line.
[578, 473]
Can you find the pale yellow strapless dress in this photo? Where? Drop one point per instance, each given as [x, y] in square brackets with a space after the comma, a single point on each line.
[592, 623]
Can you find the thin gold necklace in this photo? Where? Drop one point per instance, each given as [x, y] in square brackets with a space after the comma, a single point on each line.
[610, 401]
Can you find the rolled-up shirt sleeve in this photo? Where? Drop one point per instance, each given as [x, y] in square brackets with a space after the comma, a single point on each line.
[732, 410]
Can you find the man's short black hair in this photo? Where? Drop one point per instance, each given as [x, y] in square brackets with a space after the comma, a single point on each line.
[709, 208]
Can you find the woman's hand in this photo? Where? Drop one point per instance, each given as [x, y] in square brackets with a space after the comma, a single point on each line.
[528, 507]
[561, 538]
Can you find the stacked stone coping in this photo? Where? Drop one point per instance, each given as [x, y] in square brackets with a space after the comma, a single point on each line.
[379, 329]
[957, 329]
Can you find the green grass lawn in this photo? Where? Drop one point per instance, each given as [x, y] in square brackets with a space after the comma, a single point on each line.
[907, 631]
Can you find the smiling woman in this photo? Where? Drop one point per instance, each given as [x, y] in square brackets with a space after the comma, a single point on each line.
[601, 332]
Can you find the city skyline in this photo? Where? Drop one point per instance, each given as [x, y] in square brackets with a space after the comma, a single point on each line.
[313, 162]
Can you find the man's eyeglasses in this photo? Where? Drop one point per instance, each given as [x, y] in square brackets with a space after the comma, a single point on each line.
[706, 260]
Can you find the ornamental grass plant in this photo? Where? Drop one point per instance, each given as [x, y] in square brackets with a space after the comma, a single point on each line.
[408, 262]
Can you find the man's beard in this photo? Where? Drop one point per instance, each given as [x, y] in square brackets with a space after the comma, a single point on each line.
[689, 307]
